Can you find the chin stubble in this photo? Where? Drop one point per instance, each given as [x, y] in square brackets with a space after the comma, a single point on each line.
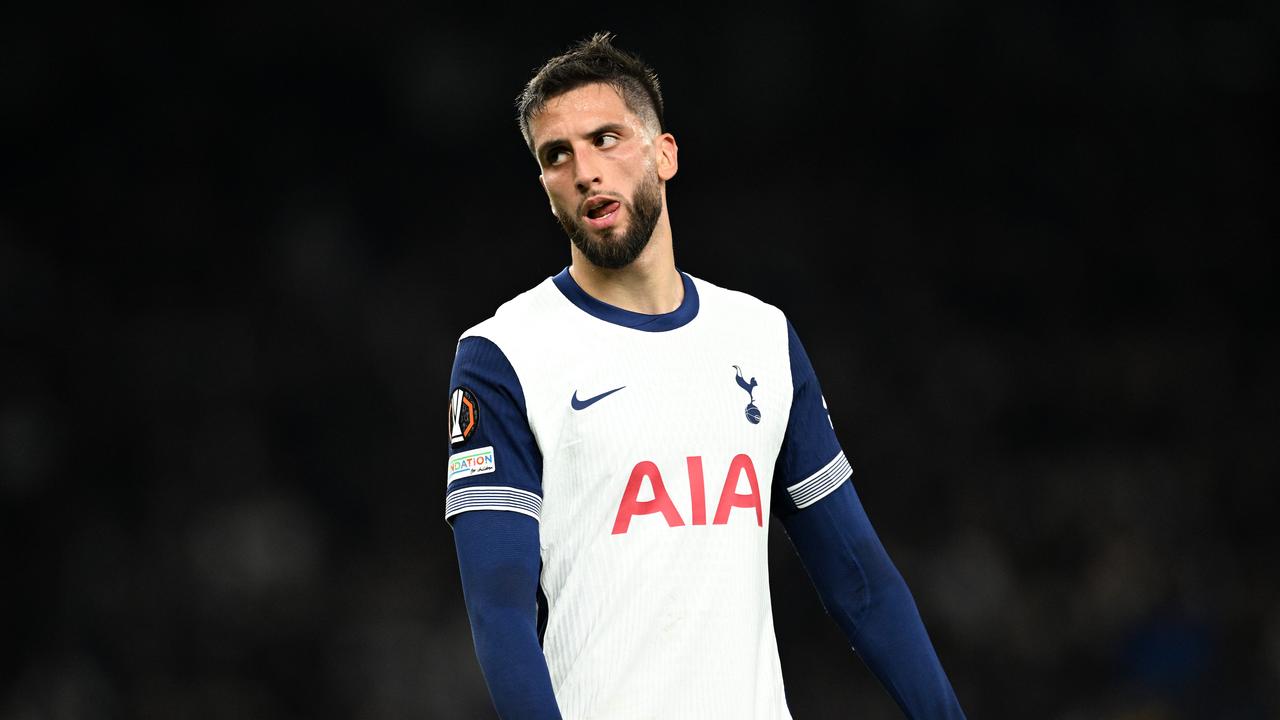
[609, 251]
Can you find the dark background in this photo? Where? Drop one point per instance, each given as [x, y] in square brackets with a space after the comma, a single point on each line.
[1030, 251]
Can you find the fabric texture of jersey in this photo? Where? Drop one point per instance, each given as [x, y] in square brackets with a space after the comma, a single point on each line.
[652, 449]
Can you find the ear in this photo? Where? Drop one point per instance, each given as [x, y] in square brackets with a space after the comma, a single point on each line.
[668, 162]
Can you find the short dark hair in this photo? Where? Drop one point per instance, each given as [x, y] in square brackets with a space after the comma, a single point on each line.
[592, 61]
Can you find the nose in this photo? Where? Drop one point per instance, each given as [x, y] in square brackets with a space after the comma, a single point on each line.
[586, 172]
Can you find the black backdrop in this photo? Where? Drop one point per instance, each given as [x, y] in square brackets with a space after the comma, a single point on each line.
[1028, 248]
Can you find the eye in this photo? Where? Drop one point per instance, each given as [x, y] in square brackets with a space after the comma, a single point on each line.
[555, 156]
[606, 140]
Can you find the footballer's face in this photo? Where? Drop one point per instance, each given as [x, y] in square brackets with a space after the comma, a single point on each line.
[603, 170]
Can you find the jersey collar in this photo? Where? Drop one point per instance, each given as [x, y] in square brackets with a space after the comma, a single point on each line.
[679, 317]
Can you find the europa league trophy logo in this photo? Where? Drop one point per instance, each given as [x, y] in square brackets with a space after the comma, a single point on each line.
[753, 412]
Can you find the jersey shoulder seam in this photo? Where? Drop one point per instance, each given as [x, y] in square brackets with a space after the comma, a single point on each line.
[736, 298]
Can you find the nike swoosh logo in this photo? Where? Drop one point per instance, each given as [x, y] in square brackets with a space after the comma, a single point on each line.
[583, 404]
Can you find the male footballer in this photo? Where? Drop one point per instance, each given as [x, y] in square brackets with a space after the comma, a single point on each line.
[619, 438]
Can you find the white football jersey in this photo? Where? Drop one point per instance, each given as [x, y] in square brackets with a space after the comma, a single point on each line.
[652, 449]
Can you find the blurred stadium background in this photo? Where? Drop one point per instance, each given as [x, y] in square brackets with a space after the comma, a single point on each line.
[1031, 251]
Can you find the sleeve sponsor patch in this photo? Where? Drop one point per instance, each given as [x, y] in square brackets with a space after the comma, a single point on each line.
[464, 415]
[471, 462]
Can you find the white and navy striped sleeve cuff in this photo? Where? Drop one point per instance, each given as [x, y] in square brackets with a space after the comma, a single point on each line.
[822, 483]
[492, 497]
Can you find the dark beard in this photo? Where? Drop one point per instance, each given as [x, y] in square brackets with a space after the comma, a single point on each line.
[613, 253]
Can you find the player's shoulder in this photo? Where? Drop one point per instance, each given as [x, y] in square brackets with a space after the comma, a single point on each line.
[735, 304]
[523, 318]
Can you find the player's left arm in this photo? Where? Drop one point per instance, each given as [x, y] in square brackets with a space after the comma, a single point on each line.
[858, 583]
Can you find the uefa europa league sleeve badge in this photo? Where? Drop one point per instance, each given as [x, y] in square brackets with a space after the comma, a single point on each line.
[464, 415]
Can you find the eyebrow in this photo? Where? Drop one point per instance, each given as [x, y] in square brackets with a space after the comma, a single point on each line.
[607, 127]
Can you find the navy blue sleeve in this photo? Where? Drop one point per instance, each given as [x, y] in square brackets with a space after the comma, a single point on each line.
[493, 501]
[867, 597]
[500, 563]
[494, 460]
[810, 462]
[858, 583]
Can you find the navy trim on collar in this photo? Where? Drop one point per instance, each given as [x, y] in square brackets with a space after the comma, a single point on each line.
[679, 317]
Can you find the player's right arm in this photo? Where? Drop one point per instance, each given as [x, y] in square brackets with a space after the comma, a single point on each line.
[493, 500]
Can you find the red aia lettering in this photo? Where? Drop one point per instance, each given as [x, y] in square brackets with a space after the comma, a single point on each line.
[730, 498]
[696, 492]
[632, 505]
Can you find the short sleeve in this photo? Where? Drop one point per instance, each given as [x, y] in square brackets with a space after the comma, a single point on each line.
[810, 464]
[494, 461]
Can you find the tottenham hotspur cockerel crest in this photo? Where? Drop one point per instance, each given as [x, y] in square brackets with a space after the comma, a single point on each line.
[753, 412]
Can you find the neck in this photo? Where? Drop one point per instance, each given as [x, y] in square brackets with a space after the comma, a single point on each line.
[650, 284]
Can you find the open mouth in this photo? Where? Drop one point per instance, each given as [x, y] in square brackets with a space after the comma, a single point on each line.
[601, 211]
[601, 207]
